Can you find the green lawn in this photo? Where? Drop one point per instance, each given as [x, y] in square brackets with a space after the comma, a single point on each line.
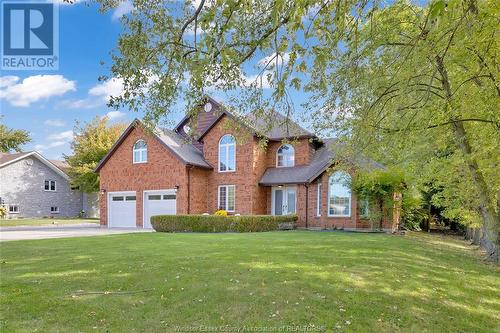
[343, 281]
[37, 222]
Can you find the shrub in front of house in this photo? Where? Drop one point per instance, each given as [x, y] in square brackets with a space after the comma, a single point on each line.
[217, 223]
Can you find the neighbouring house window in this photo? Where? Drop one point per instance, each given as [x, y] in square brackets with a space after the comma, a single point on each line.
[285, 156]
[50, 185]
[364, 208]
[318, 200]
[339, 194]
[140, 152]
[227, 153]
[13, 209]
[227, 197]
[54, 209]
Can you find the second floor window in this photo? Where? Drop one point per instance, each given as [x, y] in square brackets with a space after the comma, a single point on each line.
[285, 156]
[227, 153]
[140, 152]
[50, 185]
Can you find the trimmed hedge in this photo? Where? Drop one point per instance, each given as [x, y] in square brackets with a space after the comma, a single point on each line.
[214, 223]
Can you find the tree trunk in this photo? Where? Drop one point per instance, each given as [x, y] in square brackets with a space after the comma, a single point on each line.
[490, 218]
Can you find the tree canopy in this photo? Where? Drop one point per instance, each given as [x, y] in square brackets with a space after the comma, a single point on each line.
[12, 139]
[91, 142]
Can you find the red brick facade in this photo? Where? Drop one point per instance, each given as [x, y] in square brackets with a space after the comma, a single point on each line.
[197, 188]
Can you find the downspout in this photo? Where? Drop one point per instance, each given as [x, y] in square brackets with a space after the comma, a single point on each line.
[189, 190]
[307, 204]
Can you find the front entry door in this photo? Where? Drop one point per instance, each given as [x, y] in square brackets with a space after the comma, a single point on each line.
[284, 200]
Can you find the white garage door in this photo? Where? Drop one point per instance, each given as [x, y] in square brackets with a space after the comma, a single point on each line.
[121, 210]
[162, 202]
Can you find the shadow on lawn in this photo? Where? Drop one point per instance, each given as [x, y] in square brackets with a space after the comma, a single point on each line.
[377, 281]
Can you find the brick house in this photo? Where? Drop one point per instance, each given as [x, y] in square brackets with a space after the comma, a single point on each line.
[223, 166]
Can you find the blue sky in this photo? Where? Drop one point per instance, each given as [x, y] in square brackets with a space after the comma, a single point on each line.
[48, 103]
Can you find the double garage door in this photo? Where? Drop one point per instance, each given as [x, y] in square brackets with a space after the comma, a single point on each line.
[122, 207]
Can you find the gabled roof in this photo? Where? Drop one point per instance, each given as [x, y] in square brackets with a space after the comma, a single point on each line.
[184, 151]
[281, 127]
[6, 159]
[63, 165]
[322, 159]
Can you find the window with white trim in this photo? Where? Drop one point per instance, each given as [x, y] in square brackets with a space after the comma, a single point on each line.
[339, 194]
[50, 185]
[227, 153]
[13, 209]
[285, 156]
[318, 199]
[226, 197]
[54, 210]
[140, 152]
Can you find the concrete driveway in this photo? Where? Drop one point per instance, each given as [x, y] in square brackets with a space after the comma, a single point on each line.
[61, 231]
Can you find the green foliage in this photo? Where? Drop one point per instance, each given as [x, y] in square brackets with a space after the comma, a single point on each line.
[412, 212]
[11, 139]
[378, 187]
[219, 223]
[91, 143]
[3, 212]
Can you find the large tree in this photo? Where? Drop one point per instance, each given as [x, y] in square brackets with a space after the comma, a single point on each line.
[12, 139]
[411, 85]
[91, 142]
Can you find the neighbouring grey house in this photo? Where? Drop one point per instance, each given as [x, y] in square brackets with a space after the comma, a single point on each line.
[33, 186]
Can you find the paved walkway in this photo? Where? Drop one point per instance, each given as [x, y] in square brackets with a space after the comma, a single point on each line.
[61, 231]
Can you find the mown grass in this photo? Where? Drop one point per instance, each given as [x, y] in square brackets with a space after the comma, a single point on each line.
[339, 281]
[39, 222]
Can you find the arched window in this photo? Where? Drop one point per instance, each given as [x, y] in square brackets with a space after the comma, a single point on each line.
[285, 156]
[227, 153]
[339, 194]
[140, 152]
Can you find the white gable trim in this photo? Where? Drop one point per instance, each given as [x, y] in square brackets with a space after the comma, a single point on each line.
[41, 159]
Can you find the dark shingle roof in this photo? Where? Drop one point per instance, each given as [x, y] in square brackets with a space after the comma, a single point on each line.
[63, 165]
[5, 157]
[183, 149]
[276, 126]
[321, 160]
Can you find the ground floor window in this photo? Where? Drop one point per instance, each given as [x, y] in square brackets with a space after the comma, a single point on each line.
[226, 197]
[13, 209]
[54, 209]
[339, 194]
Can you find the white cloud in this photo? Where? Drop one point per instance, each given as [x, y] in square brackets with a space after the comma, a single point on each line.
[56, 140]
[111, 115]
[54, 144]
[283, 59]
[33, 88]
[260, 80]
[54, 122]
[123, 8]
[98, 95]
[9, 80]
[112, 87]
[62, 136]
